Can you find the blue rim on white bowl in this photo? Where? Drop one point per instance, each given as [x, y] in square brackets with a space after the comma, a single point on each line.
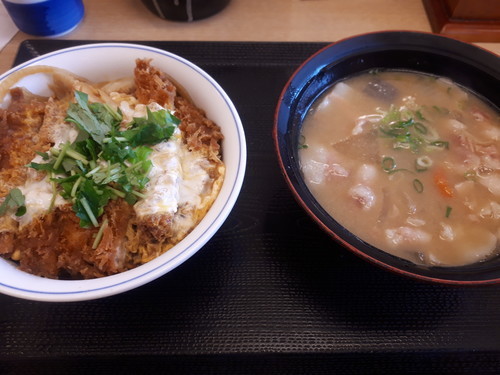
[107, 61]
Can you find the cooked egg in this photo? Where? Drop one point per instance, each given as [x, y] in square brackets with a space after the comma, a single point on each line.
[38, 196]
[179, 177]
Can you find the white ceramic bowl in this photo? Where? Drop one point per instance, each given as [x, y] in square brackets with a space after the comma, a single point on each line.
[107, 61]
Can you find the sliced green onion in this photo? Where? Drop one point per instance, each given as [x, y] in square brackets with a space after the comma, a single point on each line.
[400, 170]
[421, 128]
[423, 163]
[418, 186]
[401, 145]
[405, 124]
[441, 109]
[441, 144]
[448, 211]
[302, 142]
[388, 164]
[419, 115]
[470, 175]
[99, 234]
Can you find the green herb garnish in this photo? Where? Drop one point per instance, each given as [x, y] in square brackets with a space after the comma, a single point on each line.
[157, 127]
[104, 162]
[441, 110]
[410, 130]
[418, 186]
[419, 115]
[406, 132]
[302, 142]
[99, 234]
[13, 201]
[421, 128]
[422, 163]
[448, 211]
[90, 119]
[388, 164]
[440, 144]
[470, 175]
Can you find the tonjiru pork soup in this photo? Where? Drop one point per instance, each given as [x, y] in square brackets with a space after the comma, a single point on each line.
[409, 163]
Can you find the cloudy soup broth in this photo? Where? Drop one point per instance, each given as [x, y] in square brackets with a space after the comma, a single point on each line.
[408, 162]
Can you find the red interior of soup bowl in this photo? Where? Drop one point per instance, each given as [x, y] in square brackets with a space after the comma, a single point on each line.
[468, 65]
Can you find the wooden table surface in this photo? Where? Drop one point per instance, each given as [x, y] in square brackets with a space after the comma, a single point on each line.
[245, 20]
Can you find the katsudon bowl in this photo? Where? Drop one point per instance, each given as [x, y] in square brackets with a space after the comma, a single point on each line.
[471, 67]
[110, 61]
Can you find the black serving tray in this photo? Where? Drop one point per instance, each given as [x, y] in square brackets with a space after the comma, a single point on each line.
[270, 292]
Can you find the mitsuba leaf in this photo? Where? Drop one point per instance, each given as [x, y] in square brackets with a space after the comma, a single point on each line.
[116, 152]
[97, 199]
[130, 198]
[92, 147]
[155, 128]
[103, 162]
[141, 153]
[80, 114]
[105, 114]
[66, 184]
[44, 155]
[14, 200]
[17, 197]
[42, 166]
[68, 164]
[21, 211]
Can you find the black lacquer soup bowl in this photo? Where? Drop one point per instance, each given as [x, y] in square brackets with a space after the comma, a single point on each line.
[472, 67]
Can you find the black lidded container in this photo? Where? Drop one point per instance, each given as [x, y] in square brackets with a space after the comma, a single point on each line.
[185, 10]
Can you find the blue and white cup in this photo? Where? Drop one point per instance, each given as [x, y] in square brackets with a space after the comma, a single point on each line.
[45, 17]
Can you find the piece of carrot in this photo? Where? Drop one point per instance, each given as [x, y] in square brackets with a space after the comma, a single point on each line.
[442, 183]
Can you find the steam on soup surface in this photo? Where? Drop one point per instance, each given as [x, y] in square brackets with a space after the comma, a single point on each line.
[410, 163]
